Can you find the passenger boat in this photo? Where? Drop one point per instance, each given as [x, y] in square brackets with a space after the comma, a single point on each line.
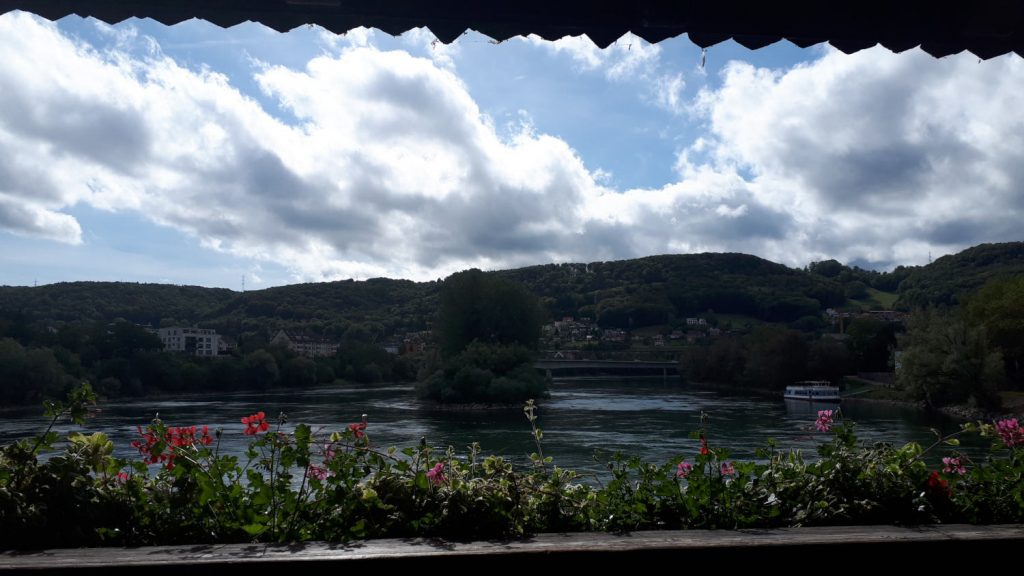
[813, 390]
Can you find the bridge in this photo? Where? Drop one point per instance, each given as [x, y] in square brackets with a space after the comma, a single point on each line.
[614, 366]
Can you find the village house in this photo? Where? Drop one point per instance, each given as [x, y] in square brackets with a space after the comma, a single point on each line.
[305, 344]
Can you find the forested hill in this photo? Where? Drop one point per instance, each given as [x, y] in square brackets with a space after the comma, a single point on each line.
[948, 278]
[105, 301]
[326, 307]
[626, 293]
[651, 290]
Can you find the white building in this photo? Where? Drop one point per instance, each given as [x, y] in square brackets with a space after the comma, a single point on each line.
[191, 341]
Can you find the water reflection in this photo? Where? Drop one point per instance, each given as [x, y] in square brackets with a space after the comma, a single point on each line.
[580, 419]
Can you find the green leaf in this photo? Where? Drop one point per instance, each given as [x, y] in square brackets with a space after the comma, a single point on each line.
[254, 529]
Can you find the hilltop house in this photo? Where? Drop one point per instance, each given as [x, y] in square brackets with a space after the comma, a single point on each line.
[304, 343]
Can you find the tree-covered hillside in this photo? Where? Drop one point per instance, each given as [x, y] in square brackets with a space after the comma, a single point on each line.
[658, 289]
[106, 301]
[622, 294]
[947, 279]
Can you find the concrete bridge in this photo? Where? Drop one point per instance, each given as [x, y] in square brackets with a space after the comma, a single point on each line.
[618, 366]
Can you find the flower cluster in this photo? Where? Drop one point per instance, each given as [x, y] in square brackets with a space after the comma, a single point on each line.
[951, 464]
[436, 474]
[1010, 432]
[156, 447]
[318, 472]
[255, 423]
[824, 421]
[938, 486]
[357, 429]
[684, 469]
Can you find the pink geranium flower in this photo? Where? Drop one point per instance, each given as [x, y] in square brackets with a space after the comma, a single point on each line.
[727, 469]
[824, 421]
[953, 465]
[1010, 432]
[318, 472]
[684, 469]
[436, 474]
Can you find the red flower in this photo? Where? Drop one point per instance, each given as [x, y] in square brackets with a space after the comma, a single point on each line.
[173, 438]
[206, 439]
[255, 423]
[358, 428]
[937, 485]
[704, 446]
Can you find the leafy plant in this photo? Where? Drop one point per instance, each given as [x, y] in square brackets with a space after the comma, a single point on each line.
[303, 484]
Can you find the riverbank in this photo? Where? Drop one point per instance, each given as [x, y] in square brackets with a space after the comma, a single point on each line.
[881, 393]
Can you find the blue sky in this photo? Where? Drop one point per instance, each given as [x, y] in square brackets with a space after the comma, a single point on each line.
[197, 155]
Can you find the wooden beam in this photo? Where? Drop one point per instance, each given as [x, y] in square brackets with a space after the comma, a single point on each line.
[922, 546]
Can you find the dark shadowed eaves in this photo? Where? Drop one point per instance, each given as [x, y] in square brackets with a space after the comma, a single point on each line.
[986, 28]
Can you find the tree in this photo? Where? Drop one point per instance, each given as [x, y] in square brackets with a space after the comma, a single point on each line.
[260, 370]
[947, 361]
[486, 373]
[485, 308]
[856, 290]
[826, 268]
[998, 308]
[828, 359]
[488, 332]
[776, 357]
[871, 342]
[299, 372]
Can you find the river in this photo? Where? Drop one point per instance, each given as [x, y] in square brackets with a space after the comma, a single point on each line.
[582, 418]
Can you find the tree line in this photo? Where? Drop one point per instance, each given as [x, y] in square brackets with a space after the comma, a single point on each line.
[123, 359]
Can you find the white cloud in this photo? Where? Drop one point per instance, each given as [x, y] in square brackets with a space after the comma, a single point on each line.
[392, 168]
[874, 152]
[359, 37]
[423, 39]
[628, 58]
[669, 93]
[581, 49]
[33, 220]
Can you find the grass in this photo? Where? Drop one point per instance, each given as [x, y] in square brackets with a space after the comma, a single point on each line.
[877, 300]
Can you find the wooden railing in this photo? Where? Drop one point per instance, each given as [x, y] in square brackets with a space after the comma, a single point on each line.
[863, 548]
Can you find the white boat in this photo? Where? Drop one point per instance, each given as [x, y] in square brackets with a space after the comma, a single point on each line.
[813, 390]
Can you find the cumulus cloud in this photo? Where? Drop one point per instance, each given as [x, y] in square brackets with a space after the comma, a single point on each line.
[879, 156]
[629, 59]
[386, 166]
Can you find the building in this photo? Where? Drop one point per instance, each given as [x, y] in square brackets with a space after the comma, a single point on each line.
[192, 341]
[227, 345]
[304, 343]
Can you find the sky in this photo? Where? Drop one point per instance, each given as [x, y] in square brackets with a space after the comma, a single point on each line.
[192, 154]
